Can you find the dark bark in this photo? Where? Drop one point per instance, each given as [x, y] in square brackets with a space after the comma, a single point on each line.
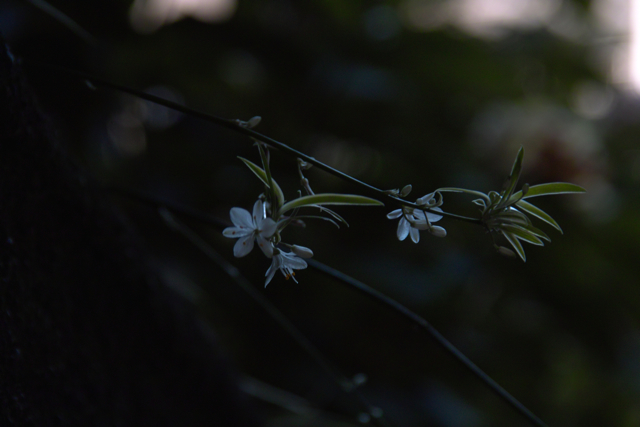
[88, 334]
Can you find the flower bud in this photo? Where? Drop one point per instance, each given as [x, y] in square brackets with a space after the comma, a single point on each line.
[304, 165]
[405, 190]
[421, 225]
[425, 200]
[301, 251]
[298, 223]
[438, 231]
[506, 252]
[253, 122]
[304, 182]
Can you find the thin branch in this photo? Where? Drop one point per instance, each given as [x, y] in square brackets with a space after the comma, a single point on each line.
[94, 82]
[433, 333]
[381, 298]
[287, 400]
[345, 384]
[64, 20]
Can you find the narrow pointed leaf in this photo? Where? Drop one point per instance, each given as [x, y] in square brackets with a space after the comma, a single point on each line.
[513, 178]
[514, 216]
[538, 213]
[479, 202]
[329, 199]
[548, 189]
[333, 214]
[464, 190]
[324, 218]
[494, 196]
[522, 234]
[257, 170]
[553, 188]
[541, 234]
[260, 173]
[515, 243]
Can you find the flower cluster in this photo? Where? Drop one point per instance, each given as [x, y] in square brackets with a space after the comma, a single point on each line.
[257, 227]
[272, 214]
[504, 214]
[412, 220]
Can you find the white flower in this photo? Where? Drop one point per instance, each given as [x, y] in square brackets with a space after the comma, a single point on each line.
[413, 220]
[248, 227]
[301, 251]
[286, 262]
[438, 231]
[430, 200]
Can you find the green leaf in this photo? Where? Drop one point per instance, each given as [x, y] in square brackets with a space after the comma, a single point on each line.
[538, 213]
[516, 244]
[541, 234]
[522, 234]
[495, 198]
[513, 178]
[324, 218]
[260, 173]
[333, 214]
[329, 199]
[479, 202]
[511, 215]
[548, 189]
[464, 190]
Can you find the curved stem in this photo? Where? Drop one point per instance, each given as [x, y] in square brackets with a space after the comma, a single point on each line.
[433, 333]
[234, 125]
[345, 384]
[65, 20]
[375, 295]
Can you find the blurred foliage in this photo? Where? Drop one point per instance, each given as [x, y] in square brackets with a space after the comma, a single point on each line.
[354, 84]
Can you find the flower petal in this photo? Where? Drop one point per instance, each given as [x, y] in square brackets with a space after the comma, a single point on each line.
[258, 213]
[276, 263]
[301, 251]
[403, 228]
[243, 246]
[269, 274]
[415, 235]
[235, 232]
[268, 228]
[395, 214]
[421, 225]
[265, 246]
[426, 200]
[241, 218]
[418, 215]
[293, 261]
[434, 217]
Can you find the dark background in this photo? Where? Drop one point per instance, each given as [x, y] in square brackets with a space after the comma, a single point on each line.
[358, 86]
